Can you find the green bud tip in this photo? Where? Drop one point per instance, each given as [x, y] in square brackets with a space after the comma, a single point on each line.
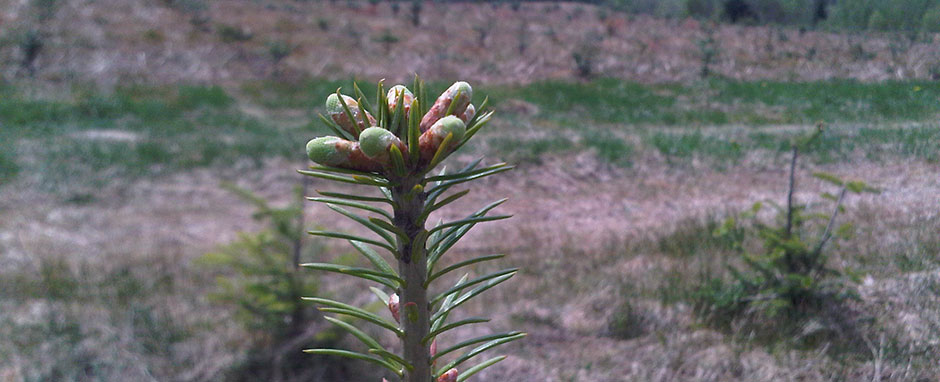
[452, 125]
[323, 150]
[464, 89]
[374, 141]
[393, 92]
[333, 106]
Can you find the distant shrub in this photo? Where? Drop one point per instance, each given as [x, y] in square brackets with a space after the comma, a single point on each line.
[898, 15]
[787, 278]
[934, 71]
[229, 33]
[416, 7]
[703, 9]
[187, 6]
[628, 322]
[858, 53]
[279, 50]
[931, 21]
[708, 48]
[30, 44]
[387, 39]
[523, 38]
[260, 278]
[585, 57]
[483, 31]
[737, 11]
[154, 36]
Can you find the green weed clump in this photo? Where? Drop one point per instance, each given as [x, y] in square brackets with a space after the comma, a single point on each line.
[391, 145]
[786, 280]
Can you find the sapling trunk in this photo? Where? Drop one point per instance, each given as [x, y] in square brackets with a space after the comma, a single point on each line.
[412, 265]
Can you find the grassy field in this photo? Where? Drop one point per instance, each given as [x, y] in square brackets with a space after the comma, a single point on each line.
[109, 196]
[87, 136]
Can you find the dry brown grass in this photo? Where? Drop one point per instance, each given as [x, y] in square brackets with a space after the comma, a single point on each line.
[579, 234]
[112, 41]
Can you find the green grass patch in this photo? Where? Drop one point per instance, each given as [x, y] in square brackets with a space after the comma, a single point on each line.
[89, 137]
[697, 236]
[721, 101]
[837, 144]
[8, 166]
[832, 101]
[609, 147]
[86, 136]
[685, 146]
[604, 100]
[606, 146]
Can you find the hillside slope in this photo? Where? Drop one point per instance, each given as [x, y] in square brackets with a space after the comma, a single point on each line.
[110, 41]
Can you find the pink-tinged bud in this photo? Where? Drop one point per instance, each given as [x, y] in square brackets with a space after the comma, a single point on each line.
[448, 376]
[433, 351]
[468, 114]
[431, 140]
[392, 97]
[393, 306]
[376, 143]
[440, 107]
[338, 152]
[336, 111]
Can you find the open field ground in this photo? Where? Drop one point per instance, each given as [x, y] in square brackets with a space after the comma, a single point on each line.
[618, 189]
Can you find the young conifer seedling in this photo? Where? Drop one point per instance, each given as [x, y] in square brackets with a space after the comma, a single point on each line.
[392, 145]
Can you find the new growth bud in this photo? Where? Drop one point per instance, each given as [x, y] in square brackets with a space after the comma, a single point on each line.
[396, 156]
[393, 306]
[338, 152]
[392, 97]
[433, 351]
[459, 90]
[448, 376]
[376, 142]
[431, 140]
[336, 111]
[468, 114]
